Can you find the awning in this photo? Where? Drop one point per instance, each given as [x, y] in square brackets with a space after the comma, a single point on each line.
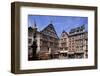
[63, 51]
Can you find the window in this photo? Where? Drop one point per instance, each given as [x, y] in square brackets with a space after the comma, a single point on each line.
[63, 44]
[49, 33]
[64, 39]
[40, 42]
[66, 48]
[51, 44]
[61, 40]
[29, 40]
[29, 34]
[61, 48]
[69, 43]
[63, 35]
[81, 48]
[48, 38]
[29, 48]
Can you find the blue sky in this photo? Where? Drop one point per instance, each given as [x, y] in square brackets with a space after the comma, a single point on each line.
[60, 22]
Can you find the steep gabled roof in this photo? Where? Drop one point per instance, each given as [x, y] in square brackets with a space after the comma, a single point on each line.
[65, 32]
[52, 27]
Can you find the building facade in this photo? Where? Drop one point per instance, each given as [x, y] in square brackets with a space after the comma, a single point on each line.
[78, 42]
[63, 44]
[74, 44]
[48, 45]
[47, 42]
